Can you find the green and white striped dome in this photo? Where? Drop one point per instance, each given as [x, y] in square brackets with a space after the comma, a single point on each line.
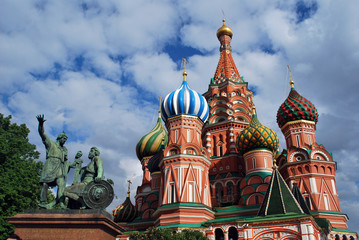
[150, 144]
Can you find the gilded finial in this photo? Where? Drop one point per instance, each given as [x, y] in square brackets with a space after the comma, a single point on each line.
[291, 82]
[224, 18]
[184, 69]
[129, 186]
[254, 112]
[159, 109]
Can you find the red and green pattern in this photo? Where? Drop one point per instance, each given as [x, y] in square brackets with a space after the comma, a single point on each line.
[151, 143]
[125, 212]
[256, 136]
[296, 107]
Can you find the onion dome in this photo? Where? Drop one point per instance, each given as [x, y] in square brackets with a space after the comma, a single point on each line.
[153, 163]
[224, 30]
[296, 107]
[256, 136]
[184, 100]
[151, 143]
[125, 212]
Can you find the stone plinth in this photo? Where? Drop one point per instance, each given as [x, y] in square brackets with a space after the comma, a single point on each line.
[65, 225]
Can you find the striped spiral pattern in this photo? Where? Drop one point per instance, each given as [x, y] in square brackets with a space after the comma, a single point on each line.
[151, 143]
[184, 100]
[125, 212]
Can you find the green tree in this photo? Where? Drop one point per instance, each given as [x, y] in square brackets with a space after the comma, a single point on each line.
[167, 234]
[19, 172]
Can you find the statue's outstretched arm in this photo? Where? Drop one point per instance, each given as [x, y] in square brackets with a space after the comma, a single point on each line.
[41, 119]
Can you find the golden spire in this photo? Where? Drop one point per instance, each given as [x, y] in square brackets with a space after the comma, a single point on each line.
[254, 112]
[184, 69]
[291, 82]
[159, 110]
[128, 190]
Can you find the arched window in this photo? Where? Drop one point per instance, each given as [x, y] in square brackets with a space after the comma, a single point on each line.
[219, 193]
[345, 237]
[230, 188]
[232, 233]
[220, 150]
[337, 237]
[219, 234]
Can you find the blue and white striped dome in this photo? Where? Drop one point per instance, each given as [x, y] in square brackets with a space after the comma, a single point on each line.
[184, 100]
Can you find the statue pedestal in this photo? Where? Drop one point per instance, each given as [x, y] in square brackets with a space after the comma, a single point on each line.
[65, 224]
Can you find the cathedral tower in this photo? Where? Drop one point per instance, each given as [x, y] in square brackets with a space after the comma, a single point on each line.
[306, 162]
[257, 143]
[185, 189]
[230, 104]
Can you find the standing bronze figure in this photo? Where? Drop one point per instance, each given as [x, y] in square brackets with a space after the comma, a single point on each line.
[54, 172]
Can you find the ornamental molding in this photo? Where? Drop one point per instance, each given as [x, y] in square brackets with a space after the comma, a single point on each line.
[297, 152]
[297, 121]
[319, 152]
[257, 151]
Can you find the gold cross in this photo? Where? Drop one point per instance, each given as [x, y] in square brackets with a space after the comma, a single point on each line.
[184, 64]
[291, 82]
[129, 184]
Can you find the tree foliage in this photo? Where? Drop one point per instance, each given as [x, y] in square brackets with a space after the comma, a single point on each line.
[19, 172]
[167, 234]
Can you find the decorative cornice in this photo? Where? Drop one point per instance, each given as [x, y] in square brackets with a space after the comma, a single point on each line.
[297, 121]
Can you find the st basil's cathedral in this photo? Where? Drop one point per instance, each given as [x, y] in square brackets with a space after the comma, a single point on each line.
[217, 168]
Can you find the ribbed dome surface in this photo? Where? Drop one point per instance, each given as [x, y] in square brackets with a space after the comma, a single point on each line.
[257, 136]
[154, 162]
[151, 143]
[224, 30]
[125, 212]
[296, 107]
[184, 100]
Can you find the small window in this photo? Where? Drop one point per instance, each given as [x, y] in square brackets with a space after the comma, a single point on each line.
[220, 150]
[172, 193]
[176, 136]
[190, 192]
[298, 142]
[256, 199]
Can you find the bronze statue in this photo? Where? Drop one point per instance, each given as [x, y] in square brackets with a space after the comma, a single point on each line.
[54, 170]
[92, 191]
[77, 165]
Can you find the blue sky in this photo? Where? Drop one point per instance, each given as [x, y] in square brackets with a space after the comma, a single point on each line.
[96, 69]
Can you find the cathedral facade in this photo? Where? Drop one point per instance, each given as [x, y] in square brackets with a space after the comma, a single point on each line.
[217, 168]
